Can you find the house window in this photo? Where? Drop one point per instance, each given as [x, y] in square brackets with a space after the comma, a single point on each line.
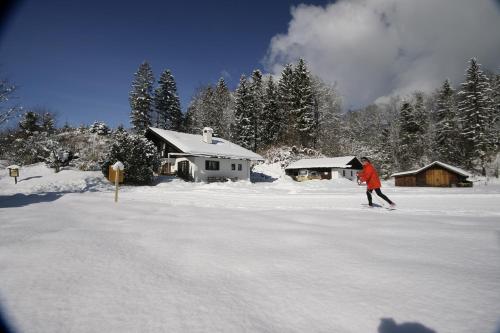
[239, 167]
[233, 166]
[343, 173]
[211, 165]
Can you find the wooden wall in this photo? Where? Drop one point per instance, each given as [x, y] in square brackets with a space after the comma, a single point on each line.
[406, 180]
[439, 177]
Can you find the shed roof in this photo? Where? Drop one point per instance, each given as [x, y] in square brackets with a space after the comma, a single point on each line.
[444, 165]
[333, 162]
[193, 144]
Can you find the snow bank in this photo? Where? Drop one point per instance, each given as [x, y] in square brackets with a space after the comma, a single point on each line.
[38, 178]
[275, 256]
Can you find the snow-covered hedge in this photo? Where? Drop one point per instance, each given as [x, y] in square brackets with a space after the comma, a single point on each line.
[286, 155]
[138, 154]
[99, 128]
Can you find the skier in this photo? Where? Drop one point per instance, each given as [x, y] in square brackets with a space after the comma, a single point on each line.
[370, 176]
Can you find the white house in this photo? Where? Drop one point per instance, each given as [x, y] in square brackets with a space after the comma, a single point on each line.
[202, 158]
[327, 168]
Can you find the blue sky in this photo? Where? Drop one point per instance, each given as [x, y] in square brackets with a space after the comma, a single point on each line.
[77, 58]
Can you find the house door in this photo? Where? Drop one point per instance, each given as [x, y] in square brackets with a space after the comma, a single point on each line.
[437, 177]
[183, 170]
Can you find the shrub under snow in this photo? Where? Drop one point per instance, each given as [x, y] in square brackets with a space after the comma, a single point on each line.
[139, 156]
[286, 155]
[100, 128]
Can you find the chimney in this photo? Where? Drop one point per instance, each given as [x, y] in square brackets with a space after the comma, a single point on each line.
[207, 134]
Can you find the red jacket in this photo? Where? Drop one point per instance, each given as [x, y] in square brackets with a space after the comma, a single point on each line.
[370, 176]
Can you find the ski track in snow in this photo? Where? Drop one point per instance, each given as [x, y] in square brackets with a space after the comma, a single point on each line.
[233, 257]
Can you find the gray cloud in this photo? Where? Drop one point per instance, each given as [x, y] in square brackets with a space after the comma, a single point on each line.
[379, 48]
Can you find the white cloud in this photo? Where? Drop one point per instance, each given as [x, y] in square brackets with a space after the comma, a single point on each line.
[225, 74]
[376, 48]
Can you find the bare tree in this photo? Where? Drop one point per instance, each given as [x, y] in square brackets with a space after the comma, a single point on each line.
[6, 93]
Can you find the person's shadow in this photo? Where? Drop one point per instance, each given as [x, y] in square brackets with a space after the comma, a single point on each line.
[388, 325]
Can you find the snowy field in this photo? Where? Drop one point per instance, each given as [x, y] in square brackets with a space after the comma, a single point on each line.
[241, 257]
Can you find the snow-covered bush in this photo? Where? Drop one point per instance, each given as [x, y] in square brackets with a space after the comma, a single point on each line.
[27, 150]
[100, 128]
[286, 155]
[39, 147]
[56, 155]
[119, 130]
[89, 147]
[139, 156]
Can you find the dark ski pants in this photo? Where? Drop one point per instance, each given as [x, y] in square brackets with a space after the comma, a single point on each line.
[379, 193]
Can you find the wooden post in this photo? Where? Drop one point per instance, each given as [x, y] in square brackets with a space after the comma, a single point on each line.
[117, 177]
[15, 180]
[118, 168]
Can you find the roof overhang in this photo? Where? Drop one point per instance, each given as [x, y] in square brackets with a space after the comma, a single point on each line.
[185, 149]
[441, 164]
[215, 156]
[343, 162]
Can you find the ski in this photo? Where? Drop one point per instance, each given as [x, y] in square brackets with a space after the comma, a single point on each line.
[375, 205]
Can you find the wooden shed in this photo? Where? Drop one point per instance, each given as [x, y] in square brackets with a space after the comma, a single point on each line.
[436, 174]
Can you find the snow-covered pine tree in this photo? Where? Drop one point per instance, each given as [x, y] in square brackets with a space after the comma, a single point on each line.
[193, 122]
[29, 123]
[223, 107]
[421, 118]
[211, 106]
[99, 128]
[327, 117]
[211, 115]
[272, 119]
[167, 104]
[477, 117]
[383, 154]
[409, 135]
[66, 127]
[390, 112]
[242, 128]
[285, 104]
[496, 105]
[119, 130]
[447, 131]
[256, 108]
[141, 98]
[303, 104]
[48, 122]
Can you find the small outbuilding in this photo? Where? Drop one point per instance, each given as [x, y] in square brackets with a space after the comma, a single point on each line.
[436, 174]
[325, 168]
[201, 158]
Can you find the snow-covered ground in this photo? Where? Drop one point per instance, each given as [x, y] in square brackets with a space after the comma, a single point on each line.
[239, 257]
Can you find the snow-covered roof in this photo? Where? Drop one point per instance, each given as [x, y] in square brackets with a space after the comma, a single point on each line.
[13, 166]
[333, 162]
[444, 165]
[193, 144]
